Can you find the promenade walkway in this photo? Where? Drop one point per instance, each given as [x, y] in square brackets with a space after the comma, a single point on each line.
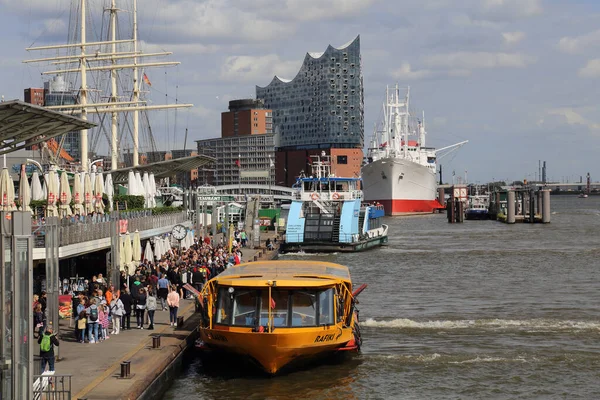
[95, 368]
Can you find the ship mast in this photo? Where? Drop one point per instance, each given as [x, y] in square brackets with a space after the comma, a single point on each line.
[113, 106]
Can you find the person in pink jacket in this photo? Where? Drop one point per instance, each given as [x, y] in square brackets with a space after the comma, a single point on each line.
[173, 302]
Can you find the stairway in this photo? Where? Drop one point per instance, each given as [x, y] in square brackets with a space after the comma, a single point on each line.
[336, 228]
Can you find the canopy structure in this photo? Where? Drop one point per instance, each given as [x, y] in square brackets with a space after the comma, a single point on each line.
[163, 169]
[23, 124]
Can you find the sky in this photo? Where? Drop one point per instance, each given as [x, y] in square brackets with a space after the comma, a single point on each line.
[519, 79]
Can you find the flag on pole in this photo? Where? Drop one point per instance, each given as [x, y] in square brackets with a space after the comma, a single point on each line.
[237, 162]
[273, 304]
[146, 80]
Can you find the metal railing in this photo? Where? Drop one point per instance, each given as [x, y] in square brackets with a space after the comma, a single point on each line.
[93, 228]
[51, 386]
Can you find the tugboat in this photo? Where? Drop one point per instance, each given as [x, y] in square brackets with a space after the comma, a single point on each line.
[478, 207]
[278, 315]
[327, 214]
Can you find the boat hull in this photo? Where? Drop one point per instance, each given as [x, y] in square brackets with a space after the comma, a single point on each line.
[281, 350]
[477, 215]
[333, 247]
[401, 186]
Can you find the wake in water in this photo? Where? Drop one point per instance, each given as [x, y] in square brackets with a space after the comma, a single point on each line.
[491, 324]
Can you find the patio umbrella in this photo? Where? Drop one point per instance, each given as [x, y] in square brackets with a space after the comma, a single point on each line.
[37, 192]
[65, 195]
[137, 247]
[88, 194]
[122, 253]
[5, 190]
[109, 189]
[148, 254]
[24, 192]
[78, 195]
[147, 194]
[98, 192]
[128, 250]
[153, 191]
[51, 210]
[131, 184]
[139, 185]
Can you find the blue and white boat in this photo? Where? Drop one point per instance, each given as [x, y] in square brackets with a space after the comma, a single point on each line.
[478, 207]
[327, 214]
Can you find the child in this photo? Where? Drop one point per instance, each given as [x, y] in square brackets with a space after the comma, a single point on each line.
[103, 319]
[81, 325]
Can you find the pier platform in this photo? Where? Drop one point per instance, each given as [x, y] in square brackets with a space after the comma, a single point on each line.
[95, 368]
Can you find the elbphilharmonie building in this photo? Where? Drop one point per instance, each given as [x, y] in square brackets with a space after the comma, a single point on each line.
[320, 109]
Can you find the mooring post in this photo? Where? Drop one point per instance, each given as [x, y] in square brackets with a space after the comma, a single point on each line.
[510, 207]
[531, 206]
[546, 206]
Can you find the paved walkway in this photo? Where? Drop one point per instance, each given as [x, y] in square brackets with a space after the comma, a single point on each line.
[94, 367]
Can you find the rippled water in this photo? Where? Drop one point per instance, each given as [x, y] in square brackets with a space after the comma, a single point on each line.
[475, 310]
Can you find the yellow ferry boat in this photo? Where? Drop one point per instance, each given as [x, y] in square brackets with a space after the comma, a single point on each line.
[280, 314]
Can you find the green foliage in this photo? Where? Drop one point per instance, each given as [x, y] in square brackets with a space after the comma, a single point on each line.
[133, 202]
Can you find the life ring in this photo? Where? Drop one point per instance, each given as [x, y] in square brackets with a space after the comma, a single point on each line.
[314, 196]
[335, 196]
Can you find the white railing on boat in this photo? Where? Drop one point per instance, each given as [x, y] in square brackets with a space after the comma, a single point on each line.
[329, 196]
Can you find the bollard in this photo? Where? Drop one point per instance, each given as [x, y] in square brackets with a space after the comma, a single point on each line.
[539, 202]
[259, 255]
[255, 257]
[123, 369]
[531, 206]
[179, 322]
[128, 368]
[546, 206]
[510, 207]
[156, 342]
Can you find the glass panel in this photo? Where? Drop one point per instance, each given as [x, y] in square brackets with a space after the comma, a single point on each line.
[280, 312]
[244, 308]
[326, 307]
[303, 309]
[6, 334]
[224, 308]
[25, 315]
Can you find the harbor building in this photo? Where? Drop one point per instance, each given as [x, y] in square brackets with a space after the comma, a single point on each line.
[321, 109]
[246, 117]
[34, 96]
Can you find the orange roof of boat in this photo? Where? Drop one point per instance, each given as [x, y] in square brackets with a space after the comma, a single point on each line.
[285, 272]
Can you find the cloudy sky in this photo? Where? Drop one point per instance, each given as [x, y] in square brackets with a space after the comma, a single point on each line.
[519, 79]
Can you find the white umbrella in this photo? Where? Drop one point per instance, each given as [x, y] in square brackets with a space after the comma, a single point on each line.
[36, 187]
[153, 193]
[122, 252]
[131, 184]
[5, 190]
[24, 192]
[166, 245]
[128, 250]
[148, 254]
[98, 192]
[147, 193]
[157, 248]
[137, 247]
[109, 189]
[78, 195]
[52, 188]
[139, 185]
[65, 195]
[88, 194]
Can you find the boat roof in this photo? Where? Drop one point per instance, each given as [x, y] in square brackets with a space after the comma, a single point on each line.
[328, 179]
[285, 273]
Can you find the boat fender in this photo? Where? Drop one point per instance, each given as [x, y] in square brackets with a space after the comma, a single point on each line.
[314, 196]
[335, 196]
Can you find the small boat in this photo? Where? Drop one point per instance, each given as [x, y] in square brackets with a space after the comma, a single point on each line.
[327, 214]
[478, 207]
[279, 314]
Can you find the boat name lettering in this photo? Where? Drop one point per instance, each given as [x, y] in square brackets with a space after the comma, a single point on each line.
[216, 336]
[324, 338]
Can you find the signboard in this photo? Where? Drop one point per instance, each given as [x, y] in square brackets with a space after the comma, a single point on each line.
[65, 308]
[204, 198]
[250, 173]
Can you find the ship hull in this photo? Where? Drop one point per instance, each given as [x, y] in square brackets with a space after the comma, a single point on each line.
[401, 186]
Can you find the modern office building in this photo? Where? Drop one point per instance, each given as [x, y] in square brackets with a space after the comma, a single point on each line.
[321, 109]
[240, 159]
[57, 93]
[246, 117]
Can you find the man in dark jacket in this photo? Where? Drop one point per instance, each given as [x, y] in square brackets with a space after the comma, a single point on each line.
[126, 300]
[47, 355]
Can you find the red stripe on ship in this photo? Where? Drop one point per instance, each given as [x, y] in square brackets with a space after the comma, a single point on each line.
[407, 207]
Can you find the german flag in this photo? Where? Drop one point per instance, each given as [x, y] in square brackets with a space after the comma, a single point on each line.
[146, 80]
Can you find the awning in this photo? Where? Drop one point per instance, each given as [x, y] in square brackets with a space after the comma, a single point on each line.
[163, 169]
[23, 124]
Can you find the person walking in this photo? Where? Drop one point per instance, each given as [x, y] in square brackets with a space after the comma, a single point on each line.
[173, 302]
[117, 309]
[126, 300]
[163, 291]
[47, 341]
[151, 307]
[140, 307]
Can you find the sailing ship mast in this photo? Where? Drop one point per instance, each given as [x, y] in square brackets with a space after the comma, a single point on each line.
[113, 106]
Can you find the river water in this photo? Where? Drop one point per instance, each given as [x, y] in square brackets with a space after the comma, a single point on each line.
[479, 310]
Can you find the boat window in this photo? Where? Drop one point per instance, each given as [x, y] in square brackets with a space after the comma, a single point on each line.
[224, 309]
[326, 307]
[304, 309]
[244, 308]
[279, 308]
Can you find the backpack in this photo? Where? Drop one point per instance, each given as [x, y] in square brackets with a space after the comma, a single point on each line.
[93, 314]
[46, 344]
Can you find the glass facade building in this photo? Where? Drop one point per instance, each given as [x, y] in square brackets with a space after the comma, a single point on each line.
[323, 106]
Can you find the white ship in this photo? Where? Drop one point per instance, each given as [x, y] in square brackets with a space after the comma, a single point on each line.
[400, 171]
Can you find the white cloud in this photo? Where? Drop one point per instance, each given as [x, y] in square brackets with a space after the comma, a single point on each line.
[182, 48]
[257, 69]
[591, 70]
[513, 37]
[309, 10]
[476, 60]
[580, 44]
[576, 117]
[510, 9]
[405, 73]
